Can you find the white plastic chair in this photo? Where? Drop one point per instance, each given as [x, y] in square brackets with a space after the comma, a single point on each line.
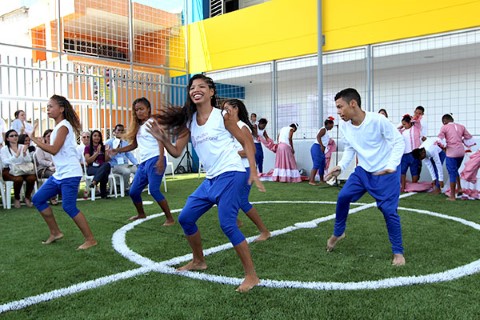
[5, 190]
[111, 177]
[169, 163]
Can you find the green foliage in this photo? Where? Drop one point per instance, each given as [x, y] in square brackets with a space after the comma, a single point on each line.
[432, 245]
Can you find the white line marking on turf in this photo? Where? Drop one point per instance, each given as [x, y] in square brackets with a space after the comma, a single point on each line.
[147, 265]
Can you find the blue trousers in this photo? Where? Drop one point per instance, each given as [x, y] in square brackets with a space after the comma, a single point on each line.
[385, 189]
[259, 157]
[453, 164]
[224, 191]
[69, 189]
[318, 159]
[147, 174]
[245, 205]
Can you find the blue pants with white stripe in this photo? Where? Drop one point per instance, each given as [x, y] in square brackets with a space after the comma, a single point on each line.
[386, 191]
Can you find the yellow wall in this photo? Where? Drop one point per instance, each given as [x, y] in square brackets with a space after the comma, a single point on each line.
[288, 28]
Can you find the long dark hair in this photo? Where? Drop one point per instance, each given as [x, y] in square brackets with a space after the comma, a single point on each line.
[7, 143]
[68, 112]
[179, 118]
[90, 147]
[242, 110]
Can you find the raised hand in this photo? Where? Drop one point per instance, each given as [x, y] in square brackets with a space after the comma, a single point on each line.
[156, 130]
[335, 172]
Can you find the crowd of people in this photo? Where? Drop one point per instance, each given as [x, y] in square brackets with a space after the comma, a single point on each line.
[229, 146]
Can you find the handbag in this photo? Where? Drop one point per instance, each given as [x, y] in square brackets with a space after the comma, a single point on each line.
[22, 169]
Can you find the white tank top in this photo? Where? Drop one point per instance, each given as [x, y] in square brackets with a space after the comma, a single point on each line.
[284, 135]
[66, 164]
[215, 145]
[147, 144]
[325, 138]
[259, 133]
[238, 145]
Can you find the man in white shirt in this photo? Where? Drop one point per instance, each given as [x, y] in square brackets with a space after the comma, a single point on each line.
[84, 141]
[432, 157]
[119, 162]
[379, 148]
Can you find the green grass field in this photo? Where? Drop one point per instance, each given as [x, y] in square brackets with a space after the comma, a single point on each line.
[433, 245]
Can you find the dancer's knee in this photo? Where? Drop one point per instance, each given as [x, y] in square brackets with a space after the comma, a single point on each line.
[71, 209]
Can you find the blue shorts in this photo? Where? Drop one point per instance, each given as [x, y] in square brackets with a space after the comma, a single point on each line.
[408, 161]
[245, 205]
[225, 191]
[147, 174]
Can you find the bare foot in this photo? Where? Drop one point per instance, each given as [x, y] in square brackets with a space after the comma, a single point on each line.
[53, 238]
[313, 183]
[263, 236]
[332, 242]
[168, 223]
[28, 203]
[193, 266]
[459, 191]
[451, 199]
[239, 223]
[87, 244]
[138, 216]
[398, 260]
[248, 283]
[436, 191]
[16, 203]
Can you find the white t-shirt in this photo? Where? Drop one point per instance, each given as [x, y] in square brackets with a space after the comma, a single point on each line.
[215, 145]
[65, 166]
[147, 144]
[238, 145]
[376, 141]
[17, 126]
[432, 153]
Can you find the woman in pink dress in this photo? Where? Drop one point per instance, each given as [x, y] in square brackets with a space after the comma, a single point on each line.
[285, 165]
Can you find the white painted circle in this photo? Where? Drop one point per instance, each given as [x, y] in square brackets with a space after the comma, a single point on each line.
[119, 244]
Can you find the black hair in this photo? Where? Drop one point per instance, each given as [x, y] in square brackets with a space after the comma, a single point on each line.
[294, 126]
[7, 143]
[17, 113]
[179, 118]
[407, 118]
[385, 111]
[68, 112]
[90, 147]
[348, 95]
[46, 132]
[447, 117]
[416, 153]
[328, 121]
[242, 111]
[118, 125]
[263, 121]
[420, 108]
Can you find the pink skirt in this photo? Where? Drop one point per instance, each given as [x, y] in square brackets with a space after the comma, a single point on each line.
[285, 165]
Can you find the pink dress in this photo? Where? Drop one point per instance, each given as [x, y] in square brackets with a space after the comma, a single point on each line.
[285, 169]
[469, 177]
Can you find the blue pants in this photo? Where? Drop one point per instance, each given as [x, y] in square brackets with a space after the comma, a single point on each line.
[69, 189]
[259, 157]
[385, 189]
[224, 191]
[408, 161]
[318, 159]
[453, 164]
[442, 156]
[147, 174]
[245, 205]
